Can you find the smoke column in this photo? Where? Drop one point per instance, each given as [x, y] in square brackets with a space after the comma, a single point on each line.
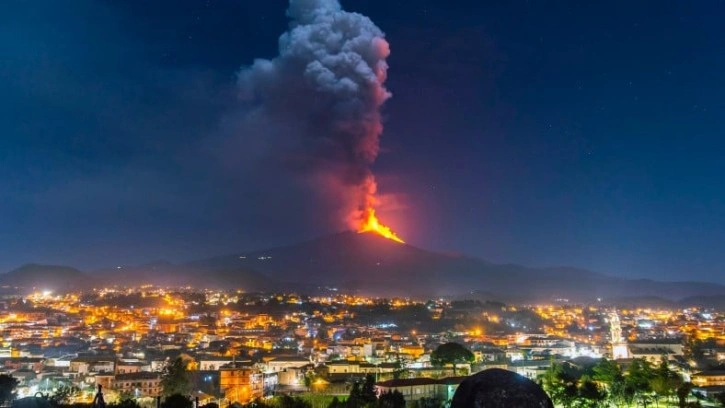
[323, 94]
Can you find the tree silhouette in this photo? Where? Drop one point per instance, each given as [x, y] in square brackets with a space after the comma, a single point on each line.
[560, 386]
[176, 401]
[610, 374]
[8, 384]
[64, 394]
[721, 398]
[665, 381]
[355, 399]
[639, 379]
[367, 391]
[335, 403]
[451, 353]
[174, 378]
[391, 399]
[125, 403]
[590, 393]
[683, 391]
[287, 401]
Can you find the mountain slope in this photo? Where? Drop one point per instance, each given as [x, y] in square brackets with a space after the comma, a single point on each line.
[376, 265]
[191, 274]
[370, 264]
[47, 277]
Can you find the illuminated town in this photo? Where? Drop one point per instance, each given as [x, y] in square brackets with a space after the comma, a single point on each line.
[240, 347]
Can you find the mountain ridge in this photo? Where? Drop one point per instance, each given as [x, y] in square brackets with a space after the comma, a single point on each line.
[370, 264]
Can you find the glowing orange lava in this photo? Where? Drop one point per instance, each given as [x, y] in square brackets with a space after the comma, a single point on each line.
[370, 223]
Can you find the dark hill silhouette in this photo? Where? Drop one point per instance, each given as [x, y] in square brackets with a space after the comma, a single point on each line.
[31, 277]
[372, 265]
[196, 274]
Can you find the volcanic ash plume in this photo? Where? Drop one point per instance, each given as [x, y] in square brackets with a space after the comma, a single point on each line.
[323, 95]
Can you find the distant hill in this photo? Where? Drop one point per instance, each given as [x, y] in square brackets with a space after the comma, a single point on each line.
[197, 274]
[374, 265]
[55, 278]
[716, 301]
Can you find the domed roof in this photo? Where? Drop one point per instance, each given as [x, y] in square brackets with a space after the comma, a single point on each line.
[497, 388]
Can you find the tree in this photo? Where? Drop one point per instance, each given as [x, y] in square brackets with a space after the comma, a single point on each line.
[590, 393]
[287, 401]
[362, 395]
[174, 379]
[432, 402]
[391, 399]
[451, 353]
[665, 381]
[607, 371]
[8, 384]
[610, 374]
[125, 403]
[335, 403]
[322, 333]
[639, 378]
[721, 398]
[64, 394]
[683, 391]
[367, 391]
[177, 401]
[560, 386]
[354, 400]
[398, 370]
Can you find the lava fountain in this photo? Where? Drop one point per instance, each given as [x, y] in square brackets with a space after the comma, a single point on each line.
[370, 223]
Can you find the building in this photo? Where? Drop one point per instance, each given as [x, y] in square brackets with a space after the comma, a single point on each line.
[213, 363]
[93, 364]
[354, 367]
[241, 382]
[709, 378]
[278, 364]
[127, 367]
[24, 363]
[620, 349]
[654, 350]
[414, 389]
[141, 384]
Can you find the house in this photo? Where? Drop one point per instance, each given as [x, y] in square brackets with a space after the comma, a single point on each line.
[93, 364]
[241, 382]
[354, 367]
[414, 389]
[126, 367]
[342, 367]
[278, 364]
[672, 347]
[529, 368]
[709, 378]
[141, 384]
[24, 363]
[213, 363]
[293, 378]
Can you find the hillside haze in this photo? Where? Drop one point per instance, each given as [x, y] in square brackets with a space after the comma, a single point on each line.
[372, 264]
[369, 264]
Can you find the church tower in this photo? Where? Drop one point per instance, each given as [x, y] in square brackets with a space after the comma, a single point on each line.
[620, 349]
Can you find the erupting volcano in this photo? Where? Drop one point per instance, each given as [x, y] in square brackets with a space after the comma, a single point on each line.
[370, 223]
[365, 219]
[321, 97]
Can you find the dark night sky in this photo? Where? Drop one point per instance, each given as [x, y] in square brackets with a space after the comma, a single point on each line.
[541, 133]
